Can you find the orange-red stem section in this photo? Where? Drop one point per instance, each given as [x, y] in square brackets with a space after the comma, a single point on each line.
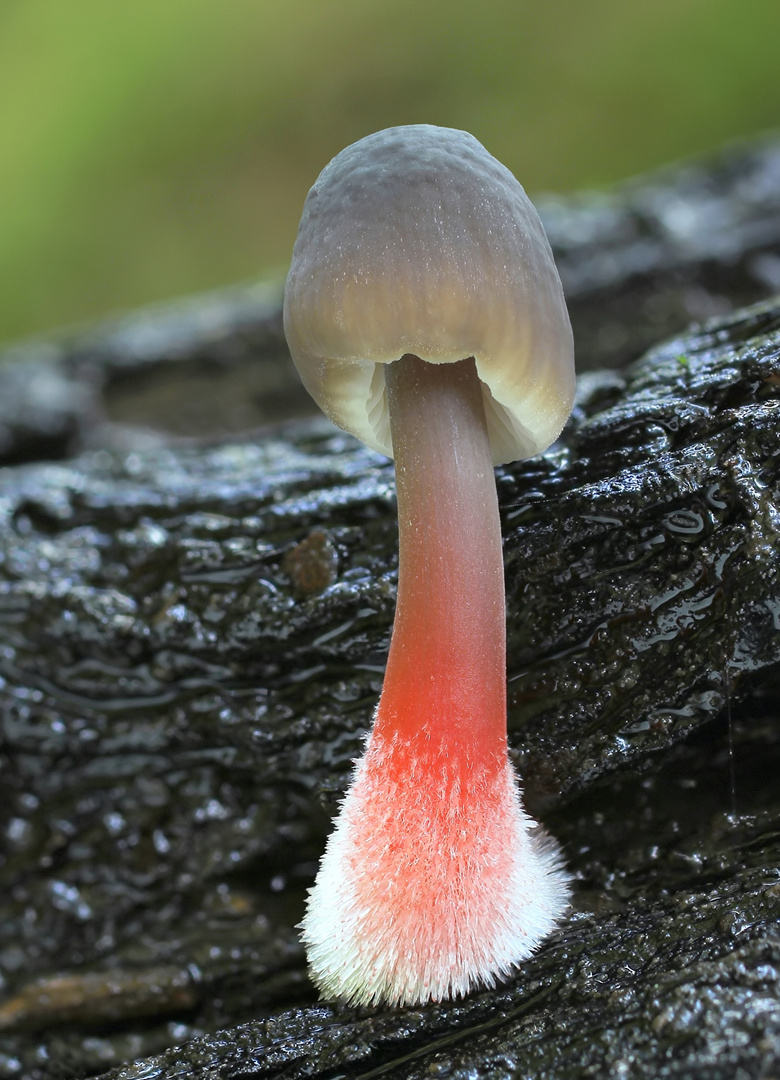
[446, 673]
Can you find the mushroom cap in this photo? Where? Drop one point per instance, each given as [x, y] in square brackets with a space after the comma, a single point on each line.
[416, 240]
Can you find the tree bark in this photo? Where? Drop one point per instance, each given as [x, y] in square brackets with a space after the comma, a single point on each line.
[192, 640]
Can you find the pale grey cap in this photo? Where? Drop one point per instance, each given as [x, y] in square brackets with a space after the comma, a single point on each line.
[417, 240]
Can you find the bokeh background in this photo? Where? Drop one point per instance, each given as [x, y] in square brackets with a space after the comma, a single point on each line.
[158, 147]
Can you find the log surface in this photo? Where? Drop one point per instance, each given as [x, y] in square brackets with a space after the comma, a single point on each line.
[192, 640]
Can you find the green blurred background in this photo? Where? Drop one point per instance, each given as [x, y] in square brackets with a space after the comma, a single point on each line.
[150, 148]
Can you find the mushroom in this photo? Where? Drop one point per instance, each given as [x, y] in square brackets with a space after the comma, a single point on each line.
[425, 315]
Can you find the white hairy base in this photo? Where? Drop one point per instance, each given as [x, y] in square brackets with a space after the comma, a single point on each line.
[429, 887]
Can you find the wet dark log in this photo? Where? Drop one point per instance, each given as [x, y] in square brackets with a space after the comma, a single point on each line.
[191, 645]
[690, 243]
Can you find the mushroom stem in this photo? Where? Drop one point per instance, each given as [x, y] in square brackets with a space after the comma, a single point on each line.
[434, 880]
[446, 673]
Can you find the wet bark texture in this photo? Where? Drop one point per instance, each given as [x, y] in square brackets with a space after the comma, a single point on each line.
[195, 608]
